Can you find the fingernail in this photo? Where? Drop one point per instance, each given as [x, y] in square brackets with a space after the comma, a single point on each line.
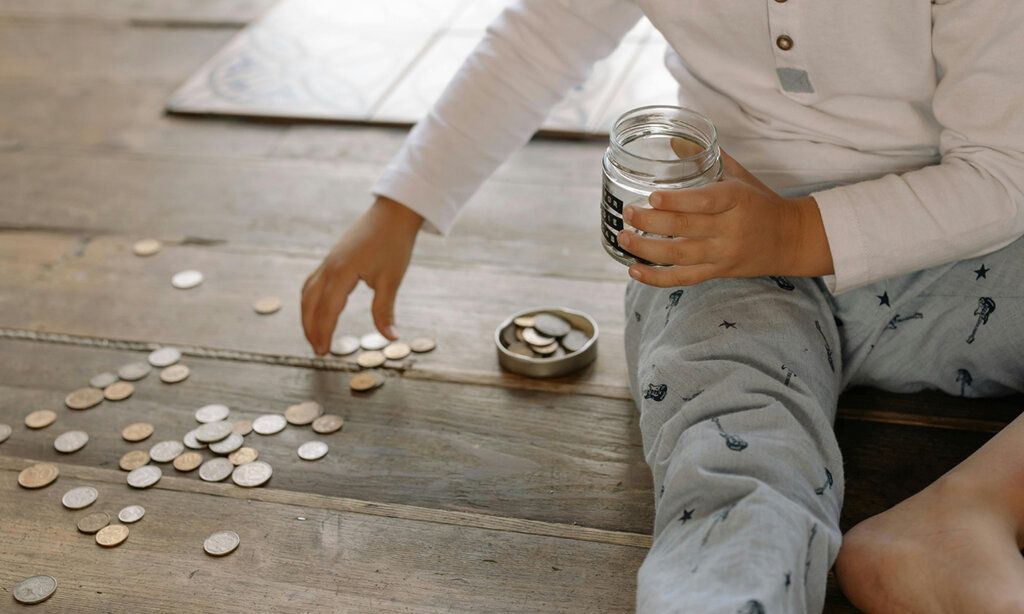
[654, 199]
[624, 238]
[389, 331]
[635, 274]
[627, 214]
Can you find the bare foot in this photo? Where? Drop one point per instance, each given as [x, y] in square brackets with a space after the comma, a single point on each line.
[941, 550]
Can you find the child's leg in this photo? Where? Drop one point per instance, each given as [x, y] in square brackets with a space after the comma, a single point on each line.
[737, 382]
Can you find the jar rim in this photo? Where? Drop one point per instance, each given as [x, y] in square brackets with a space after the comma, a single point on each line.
[709, 132]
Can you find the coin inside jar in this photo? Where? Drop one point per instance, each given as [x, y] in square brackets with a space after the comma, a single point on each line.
[269, 424]
[38, 476]
[396, 351]
[41, 418]
[371, 359]
[174, 374]
[214, 412]
[574, 340]
[84, 398]
[78, 498]
[93, 522]
[421, 345]
[524, 321]
[365, 380]
[137, 431]
[166, 451]
[35, 589]
[144, 476]
[535, 339]
[267, 305]
[71, 441]
[188, 461]
[328, 423]
[303, 413]
[221, 543]
[216, 469]
[146, 247]
[164, 357]
[118, 391]
[112, 535]
[133, 459]
[550, 325]
[243, 455]
[344, 345]
[134, 371]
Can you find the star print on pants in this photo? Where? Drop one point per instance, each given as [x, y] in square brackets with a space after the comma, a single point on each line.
[687, 514]
[883, 299]
[981, 272]
[727, 324]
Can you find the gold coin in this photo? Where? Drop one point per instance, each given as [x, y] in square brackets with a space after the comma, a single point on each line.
[38, 476]
[244, 455]
[546, 350]
[146, 247]
[242, 427]
[267, 305]
[133, 460]
[174, 374]
[112, 535]
[396, 351]
[365, 380]
[188, 461]
[84, 398]
[370, 359]
[118, 391]
[328, 423]
[303, 413]
[40, 418]
[525, 321]
[137, 431]
[422, 344]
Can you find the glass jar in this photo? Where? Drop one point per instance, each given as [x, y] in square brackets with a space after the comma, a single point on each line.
[653, 148]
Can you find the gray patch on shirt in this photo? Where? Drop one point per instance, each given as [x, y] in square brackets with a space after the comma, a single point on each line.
[794, 80]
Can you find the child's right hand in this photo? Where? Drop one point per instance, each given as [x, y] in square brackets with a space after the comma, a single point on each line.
[375, 249]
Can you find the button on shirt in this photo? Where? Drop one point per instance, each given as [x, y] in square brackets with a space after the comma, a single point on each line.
[904, 120]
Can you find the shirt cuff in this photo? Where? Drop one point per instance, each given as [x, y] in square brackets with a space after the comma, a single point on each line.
[845, 241]
[419, 195]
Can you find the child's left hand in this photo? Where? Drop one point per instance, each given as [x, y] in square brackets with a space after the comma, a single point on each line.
[736, 227]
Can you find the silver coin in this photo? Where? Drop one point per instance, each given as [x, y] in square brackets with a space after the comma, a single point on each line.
[216, 469]
[345, 345]
[269, 424]
[251, 474]
[191, 442]
[132, 513]
[102, 380]
[221, 543]
[550, 325]
[313, 450]
[370, 359]
[508, 335]
[396, 350]
[164, 357]
[166, 451]
[71, 441]
[5, 432]
[373, 341]
[184, 280]
[574, 340]
[35, 589]
[145, 476]
[212, 413]
[78, 498]
[534, 338]
[227, 445]
[134, 371]
[214, 431]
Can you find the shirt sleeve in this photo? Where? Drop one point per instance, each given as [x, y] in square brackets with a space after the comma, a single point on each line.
[972, 202]
[529, 59]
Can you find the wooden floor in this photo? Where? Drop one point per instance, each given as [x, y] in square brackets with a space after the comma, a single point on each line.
[455, 486]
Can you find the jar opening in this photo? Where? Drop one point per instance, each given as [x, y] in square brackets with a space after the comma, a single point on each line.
[663, 143]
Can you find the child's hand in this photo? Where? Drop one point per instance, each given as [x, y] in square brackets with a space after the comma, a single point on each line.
[737, 227]
[375, 249]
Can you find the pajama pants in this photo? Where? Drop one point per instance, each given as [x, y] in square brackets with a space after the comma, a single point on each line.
[737, 381]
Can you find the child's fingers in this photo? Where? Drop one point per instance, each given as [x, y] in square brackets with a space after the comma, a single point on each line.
[669, 277]
[329, 306]
[671, 223]
[709, 199]
[309, 300]
[666, 251]
[383, 308]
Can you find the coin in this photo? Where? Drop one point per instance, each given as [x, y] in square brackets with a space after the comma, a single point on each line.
[303, 413]
[221, 543]
[71, 441]
[166, 451]
[37, 476]
[267, 305]
[134, 371]
[255, 473]
[328, 423]
[77, 498]
[312, 450]
[145, 476]
[508, 335]
[174, 374]
[574, 340]
[118, 391]
[520, 348]
[365, 380]
[422, 344]
[532, 337]
[5, 432]
[373, 341]
[227, 445]
[190, 440]
[112, 535]
[345, 345]
[133, 459]
[213, 431]
[397, 351]
[137, 431]
[370, 359]
[546, 350]
[93, 522]
[183, 280]
[164, 357]
[132, 513]
[216, 469]
[524, 321]
[212, 413]
[269, 424]
[243, 455]
[550, 325]
[188, 461]
[102, 380]
[146, 247]
[242, 427]
[35, 589]
[40, 418]
[84, 398]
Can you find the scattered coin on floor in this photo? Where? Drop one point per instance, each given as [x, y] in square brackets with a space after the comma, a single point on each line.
[184, 280]
[80, 497]
[174, 374]
[422, 344]
[164, 357]
[146, 247]
[71, 441]
[38, 476]
[112, 535]
[84, 398]
[35, 589]
[133, 459]
[188, 461]
[134, 371]
[137, 431]
[243, 455]
[344, 345]
[216, 469]
[5, 432]
[144, 476]
[191, 442]
[102, 380]
[242, 427]
[269, 424]
[365, 380]
[267, 305]
[396, 350]
[227, 445]
[214, 431]
[41, 418]
[371, 359]
[252, 474]
[312, 450]
[118, 391]
[328, 423]
[550, 325]
[166, 451]
[214, 412]
[373, 341]
[221, 543]
[131, 514]
[303, 413]
[525, 321]
[574, 340]
[93, 522]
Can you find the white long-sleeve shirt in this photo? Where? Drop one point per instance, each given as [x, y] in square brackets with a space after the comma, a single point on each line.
[904, 120]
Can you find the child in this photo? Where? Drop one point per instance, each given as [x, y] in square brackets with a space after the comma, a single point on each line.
[873, 241]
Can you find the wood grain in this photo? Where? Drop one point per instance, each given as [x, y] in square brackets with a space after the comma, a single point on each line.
[235, 13]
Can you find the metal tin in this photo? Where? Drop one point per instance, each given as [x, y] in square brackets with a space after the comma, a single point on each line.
[550, 367]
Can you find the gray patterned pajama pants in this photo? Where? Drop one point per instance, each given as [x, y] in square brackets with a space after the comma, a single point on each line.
[737, 380]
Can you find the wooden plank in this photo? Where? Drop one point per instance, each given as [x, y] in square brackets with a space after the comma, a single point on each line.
[337, 561]
[227, 13]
